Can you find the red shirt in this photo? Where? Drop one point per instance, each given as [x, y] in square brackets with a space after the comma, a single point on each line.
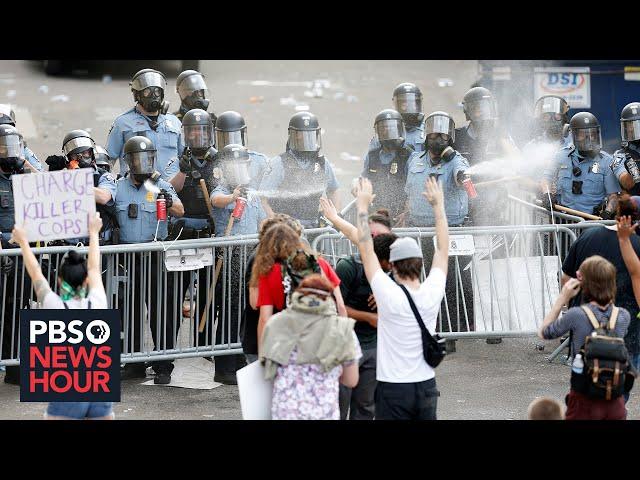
[271, 290]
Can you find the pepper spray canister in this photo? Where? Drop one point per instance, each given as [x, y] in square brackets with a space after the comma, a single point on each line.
[241, 203]
[161, 208]
[470, 188]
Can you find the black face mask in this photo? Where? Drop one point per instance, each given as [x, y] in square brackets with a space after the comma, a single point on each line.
[394, 144]
[437, 146]
[150, 104]
[140, 177]
[307, 156]
[85, 163]
[12, 165]
[192, 102]
[411, 119]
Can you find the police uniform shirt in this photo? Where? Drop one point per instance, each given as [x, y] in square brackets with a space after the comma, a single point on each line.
[456, 201]
[32, 159]
[253, 213]
[596, 177]
[618, 167]
[167, 138]
[274, 177]
[386, 158]
[414, 136]
[143, 227]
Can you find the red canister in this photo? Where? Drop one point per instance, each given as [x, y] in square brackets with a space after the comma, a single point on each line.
[239, 208]
[161, 208]
[470, 188]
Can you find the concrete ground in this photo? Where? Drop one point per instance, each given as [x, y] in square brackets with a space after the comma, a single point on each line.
[477, 382]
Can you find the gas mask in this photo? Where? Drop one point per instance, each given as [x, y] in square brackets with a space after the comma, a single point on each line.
[412, 119]
[152, 99]
[141, 177]
[306, 156]
[393, 144]
[12, 165]
[436, 146]
[195, 101]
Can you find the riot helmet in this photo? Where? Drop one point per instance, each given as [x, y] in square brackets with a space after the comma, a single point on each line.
[230, 129]
[585, 129]
[389, 128]
[11, 150]
[192, 90]
[407, 99]
[235, 162]
[304, 133]
[440, 132]
[479, 106]
[197, 131]
[630, 122]
[78, 149]
[103, 160]
[551, 113]
[148, 87]
[7, 115]
[140, 157]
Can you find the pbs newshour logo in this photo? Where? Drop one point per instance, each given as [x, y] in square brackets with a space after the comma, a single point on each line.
[70, 355]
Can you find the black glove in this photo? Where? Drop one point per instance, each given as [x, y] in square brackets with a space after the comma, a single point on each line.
[185, 161]
[167, 196]
[56, 162]
[632, 167]
[543, 199]
[607, 215]
[6, 265]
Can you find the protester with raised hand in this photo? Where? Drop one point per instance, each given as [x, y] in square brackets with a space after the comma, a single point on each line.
[81, 287]
[406, 382]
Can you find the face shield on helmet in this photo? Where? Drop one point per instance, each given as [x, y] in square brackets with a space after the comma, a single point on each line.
[481, 110]
[630, 130]
[7, 115]
[141, 163]
[305, 140]
[550, 113]
[409, 105]
[11, 153]
[236, 137]
[149, 90]
[235, 165]
[198, 137]
[193, 92]
[439, 132]
[79, 152]
[587, 139]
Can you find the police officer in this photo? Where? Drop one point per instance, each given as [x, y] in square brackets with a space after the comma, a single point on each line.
[231, 129]
[193, 93]
[386, 165]
[298, 177]
[626, 159]
[148, 118]
[136, 209]
[15, 287]
[581, 170]
[240, 177]
[8, 117]
[551, 123]
[449, 167]
[103, 160]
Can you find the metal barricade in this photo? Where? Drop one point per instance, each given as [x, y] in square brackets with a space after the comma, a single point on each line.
[505, 288]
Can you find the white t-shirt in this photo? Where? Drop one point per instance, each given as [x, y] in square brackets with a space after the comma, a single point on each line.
[97, 296]
[400, 356]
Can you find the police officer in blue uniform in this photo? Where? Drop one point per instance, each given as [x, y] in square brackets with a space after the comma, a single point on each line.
[103, 160]
[626, 159]
[582, 171]
[14, 286]
[8, 117]
[148, 118]
[551, 123]
[136, 209]
[193, 93]
[298, 177]
[240, 178]
[386, 165]
[449, 167]
[407, 100]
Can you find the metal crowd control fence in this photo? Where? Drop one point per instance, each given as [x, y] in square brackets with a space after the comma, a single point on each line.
[503, 288]
[150, 297]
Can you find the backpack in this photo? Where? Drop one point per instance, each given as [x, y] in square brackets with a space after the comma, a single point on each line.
[292, 277]
[607, 372]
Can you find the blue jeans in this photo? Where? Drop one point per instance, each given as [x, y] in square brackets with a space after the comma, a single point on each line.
[80, 410]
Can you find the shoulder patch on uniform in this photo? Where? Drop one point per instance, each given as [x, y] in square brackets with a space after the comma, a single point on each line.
[109, 177]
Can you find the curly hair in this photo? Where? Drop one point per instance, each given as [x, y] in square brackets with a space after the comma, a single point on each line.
[278, 243]
[267, 223]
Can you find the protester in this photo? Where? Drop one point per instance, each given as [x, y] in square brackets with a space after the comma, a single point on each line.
[81, 287]
[406, 383]
[545, 408]
[597, 279]
[603, 241]
[250, 314]
[280, 248]
[308, 350]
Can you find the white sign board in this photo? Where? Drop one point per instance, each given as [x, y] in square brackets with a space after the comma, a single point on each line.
[188, 259]
[54, 205]
[255, 392]
[571, 83]
[459, 245]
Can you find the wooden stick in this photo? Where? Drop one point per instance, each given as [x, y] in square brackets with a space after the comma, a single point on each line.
[577, 213]
[207, 200]
[204, 316]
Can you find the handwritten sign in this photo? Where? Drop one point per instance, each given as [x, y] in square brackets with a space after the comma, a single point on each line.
[54, 205]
